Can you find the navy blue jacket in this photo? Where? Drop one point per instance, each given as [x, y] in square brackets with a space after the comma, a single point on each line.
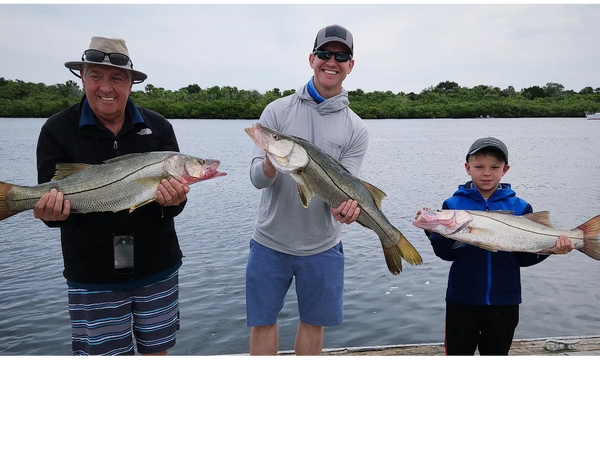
[75, 135]
[478, 276]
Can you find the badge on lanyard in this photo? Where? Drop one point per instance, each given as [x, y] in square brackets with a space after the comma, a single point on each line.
[123, 252]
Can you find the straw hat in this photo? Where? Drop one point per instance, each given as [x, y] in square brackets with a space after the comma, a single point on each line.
[107, 52]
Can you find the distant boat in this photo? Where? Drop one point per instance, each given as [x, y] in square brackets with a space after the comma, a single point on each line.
[594, 116]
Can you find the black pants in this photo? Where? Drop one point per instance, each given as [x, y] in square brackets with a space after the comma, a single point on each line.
[489, 327]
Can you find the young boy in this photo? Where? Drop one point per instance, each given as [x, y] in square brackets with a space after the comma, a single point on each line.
[484, 288]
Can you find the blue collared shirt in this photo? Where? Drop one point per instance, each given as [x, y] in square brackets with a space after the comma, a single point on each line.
[88, 118]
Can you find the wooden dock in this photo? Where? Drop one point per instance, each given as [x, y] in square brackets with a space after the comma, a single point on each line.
[551, 346]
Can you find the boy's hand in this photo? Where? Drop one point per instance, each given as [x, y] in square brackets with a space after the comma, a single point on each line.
[563, 245]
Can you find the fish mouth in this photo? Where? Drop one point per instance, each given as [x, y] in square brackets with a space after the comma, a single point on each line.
[429, 218]
[262, 137]
[212, 172]
[254, 133]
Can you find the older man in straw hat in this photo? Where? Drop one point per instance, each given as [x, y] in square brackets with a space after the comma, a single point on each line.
[106, 296]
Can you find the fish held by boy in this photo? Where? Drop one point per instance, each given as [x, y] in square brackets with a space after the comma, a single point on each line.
[318, 174]
[121, 183]
[503, 231]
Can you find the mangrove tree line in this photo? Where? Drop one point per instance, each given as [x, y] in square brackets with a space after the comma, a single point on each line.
[446, 100]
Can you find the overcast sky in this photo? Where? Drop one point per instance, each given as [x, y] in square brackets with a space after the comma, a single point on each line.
[398, 47]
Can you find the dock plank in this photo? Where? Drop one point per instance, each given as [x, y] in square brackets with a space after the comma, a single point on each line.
[574, 347]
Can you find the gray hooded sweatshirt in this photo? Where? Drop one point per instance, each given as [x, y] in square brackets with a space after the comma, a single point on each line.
[283, 224]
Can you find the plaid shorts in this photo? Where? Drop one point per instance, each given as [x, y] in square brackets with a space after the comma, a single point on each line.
[102, 316]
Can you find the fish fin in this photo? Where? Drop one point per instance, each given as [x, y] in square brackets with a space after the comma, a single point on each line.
[66, 169]
[135, 207]
[591, 237]
[541, 217]
[376, 193]
[504, 212]
[403, 250]
[305, 194]
[458, 245]
[393, 259]
[462, 227]
[479, 231]
[545, 252]
[125, 157]
[487, 247]
[304, 189]
[149, 182]
[146, 183]
[409, 253]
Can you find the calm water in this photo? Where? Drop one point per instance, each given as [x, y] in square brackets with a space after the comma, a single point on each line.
[555, 166]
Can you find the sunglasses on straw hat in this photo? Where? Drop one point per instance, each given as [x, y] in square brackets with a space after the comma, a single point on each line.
[98, 56]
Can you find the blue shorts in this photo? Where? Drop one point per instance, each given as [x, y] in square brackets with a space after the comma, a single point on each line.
[319, 285]
[102, 315]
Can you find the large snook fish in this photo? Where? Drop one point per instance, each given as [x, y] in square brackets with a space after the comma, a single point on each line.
[121, 183]
[503, 231]
[317, 173]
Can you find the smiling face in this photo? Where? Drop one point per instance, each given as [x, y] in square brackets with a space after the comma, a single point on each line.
[486, 171]
[330, 74]
[107, 90]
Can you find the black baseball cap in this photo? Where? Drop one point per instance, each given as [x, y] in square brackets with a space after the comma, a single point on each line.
[482, 143]
[333, 33]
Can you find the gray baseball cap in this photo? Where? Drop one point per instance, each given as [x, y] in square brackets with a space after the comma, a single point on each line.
[482, 143]
[333, 33]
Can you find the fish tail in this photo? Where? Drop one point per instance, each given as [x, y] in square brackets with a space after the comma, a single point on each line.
[5, 212]
[409, 253]
[591, 238]
[403, 250]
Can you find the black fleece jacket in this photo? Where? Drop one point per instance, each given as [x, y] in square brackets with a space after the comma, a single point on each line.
[75, 135]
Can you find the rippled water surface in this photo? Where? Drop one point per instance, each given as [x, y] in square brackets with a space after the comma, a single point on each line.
[554, 165]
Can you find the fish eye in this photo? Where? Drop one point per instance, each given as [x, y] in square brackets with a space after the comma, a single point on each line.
[275, 137]
[202, 161]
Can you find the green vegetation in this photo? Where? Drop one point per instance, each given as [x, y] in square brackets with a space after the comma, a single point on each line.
[446, 100]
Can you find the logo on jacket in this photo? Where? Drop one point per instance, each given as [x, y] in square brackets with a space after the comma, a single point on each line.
[145, 131]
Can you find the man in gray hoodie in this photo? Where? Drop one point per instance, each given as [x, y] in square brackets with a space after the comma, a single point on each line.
[291, 241]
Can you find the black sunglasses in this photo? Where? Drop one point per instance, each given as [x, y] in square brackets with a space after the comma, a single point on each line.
[96, 56]
[340, 57]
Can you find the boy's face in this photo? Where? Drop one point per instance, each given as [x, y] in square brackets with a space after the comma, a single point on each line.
[486, 172]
